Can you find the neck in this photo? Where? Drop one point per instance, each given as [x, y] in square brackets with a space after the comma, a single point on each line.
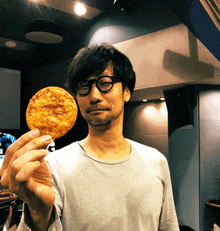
[106, 143]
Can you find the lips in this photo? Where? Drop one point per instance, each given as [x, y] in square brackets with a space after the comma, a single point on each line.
[92, 109]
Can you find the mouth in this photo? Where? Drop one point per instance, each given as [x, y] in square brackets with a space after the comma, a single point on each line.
[89, 110]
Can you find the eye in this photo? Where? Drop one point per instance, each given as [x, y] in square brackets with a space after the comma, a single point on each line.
[82, 86]
[105, 83]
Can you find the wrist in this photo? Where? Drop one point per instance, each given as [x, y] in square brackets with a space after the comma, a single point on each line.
[40, 219]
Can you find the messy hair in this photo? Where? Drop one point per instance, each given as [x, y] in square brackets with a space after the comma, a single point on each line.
[92, 60]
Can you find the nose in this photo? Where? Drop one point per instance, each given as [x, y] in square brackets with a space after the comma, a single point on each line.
[95, 95]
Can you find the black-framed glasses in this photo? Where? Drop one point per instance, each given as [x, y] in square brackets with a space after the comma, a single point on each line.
[103, 83]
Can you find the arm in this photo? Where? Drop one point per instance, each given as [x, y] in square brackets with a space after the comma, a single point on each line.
[25, 173]
[26, 220]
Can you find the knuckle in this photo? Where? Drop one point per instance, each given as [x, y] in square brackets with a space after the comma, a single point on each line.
[10, 149]
[34, 142]
[16, 155]
[14, 168]
[42, 152]
[20, 179]
[4, 182]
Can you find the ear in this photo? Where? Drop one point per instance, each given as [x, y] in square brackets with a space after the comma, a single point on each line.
[127, 95]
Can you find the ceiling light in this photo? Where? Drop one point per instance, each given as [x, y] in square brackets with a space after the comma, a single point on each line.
[126, 5]
[10, 44]
[44, 31]
[162, 99]
[80, 9]
[144, 100]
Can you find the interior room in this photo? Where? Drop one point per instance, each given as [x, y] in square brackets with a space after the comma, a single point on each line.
[174, 48]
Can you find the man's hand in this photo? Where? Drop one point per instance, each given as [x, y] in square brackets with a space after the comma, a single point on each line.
[25, 173]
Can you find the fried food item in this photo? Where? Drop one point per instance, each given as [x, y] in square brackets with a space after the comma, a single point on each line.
[53, 111]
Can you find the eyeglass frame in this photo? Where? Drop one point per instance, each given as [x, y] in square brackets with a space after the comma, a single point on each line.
[92, 81]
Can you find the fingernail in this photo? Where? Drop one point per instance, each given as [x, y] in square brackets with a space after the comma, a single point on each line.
[46, 138]
[34, 133]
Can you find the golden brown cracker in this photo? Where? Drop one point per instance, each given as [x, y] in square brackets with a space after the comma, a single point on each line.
[53, 111]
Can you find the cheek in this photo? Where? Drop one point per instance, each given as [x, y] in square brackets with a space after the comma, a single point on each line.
[82, 107]
[81, 104]
[115, 102]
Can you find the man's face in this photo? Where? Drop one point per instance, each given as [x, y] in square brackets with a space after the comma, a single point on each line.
[99, 109]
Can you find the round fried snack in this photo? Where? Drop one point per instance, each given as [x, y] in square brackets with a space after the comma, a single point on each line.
[53, 111]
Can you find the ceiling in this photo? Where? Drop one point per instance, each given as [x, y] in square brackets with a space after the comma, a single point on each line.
[16, 15]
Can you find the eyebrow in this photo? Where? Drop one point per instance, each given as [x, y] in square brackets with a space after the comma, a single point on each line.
[96, 77]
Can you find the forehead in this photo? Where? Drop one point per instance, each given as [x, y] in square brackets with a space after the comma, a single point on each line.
[108, 71]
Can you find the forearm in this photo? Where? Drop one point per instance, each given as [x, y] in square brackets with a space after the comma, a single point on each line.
[41, 220]
[40, 211]
[26, 222]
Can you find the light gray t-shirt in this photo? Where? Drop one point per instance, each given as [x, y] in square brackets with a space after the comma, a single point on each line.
[133, 194]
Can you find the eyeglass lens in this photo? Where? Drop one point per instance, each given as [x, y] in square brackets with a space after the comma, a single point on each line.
[103, 83]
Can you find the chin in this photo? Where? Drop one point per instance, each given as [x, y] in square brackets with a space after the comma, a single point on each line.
[99, 123]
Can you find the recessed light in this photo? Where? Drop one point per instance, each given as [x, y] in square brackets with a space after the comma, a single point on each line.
[34, 1]
[144, 100]
[162, 99]
[10, 44]
[80, 9]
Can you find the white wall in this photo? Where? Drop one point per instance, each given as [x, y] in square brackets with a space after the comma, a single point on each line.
[147, 123]
[169, 58]
[209, 112]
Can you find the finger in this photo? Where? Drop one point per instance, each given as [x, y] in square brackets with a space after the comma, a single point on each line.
[30, 156]
[24, 139]
[25, 189]
[26, 171]
[9, 174]
[35, 144]
[19, 184]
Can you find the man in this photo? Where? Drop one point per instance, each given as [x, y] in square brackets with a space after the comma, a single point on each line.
[104, 182]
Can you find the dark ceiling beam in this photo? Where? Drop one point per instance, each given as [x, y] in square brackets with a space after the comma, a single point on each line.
[194, 16]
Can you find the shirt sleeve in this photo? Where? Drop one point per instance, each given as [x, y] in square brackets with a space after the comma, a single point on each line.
[168, 217]
[26, 223]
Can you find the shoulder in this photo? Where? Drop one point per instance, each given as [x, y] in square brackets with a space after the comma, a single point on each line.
[150, 156]
[146, 151]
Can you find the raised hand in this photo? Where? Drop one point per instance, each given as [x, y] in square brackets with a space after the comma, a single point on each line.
[25, 173]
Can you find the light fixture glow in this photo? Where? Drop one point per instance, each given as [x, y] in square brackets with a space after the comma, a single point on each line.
[44, 31]
[162, 99]
[144, 100]
[35, 1]
[10, 44]
[150, 110]
[80, 9]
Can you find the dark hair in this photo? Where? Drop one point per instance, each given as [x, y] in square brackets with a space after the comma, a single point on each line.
[92, 60]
